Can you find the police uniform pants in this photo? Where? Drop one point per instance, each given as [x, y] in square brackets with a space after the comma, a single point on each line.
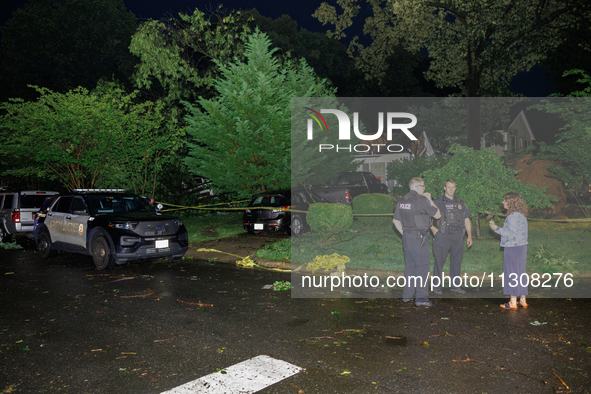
[454, 245]
[416, 267]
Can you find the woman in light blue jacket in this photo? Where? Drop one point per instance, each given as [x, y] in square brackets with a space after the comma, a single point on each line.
[514, 240]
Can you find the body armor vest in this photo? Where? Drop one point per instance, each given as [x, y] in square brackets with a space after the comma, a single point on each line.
[410, 218]
[452, 216]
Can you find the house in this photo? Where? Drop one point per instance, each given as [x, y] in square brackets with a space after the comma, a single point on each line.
[518, 136]
[377, 162]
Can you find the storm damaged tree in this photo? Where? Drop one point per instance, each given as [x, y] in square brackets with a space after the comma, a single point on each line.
[86, 139]
[571, 149]
[484, 181]
[177, 56]
[477, 46]
[241, 140]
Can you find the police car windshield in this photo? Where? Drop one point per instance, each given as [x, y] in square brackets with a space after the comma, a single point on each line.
[113, 203]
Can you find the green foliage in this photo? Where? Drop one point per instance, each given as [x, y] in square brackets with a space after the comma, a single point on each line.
[328, 219]
[544, 261]
[483, 180]
[71, 137]
[329, 59]
[476, 47]
[241, 140]
[179, 55]
[281, 285]
[403, 171]
[276, 250]
[572, 146]
[10, 245]
[177, 62]
[374, 203]
[65, 44]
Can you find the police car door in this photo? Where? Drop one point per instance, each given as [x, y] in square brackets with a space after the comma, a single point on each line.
[55, 220]
[75, 223]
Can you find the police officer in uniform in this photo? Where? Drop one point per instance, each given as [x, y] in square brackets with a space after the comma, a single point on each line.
[412, 219]
[449, 236]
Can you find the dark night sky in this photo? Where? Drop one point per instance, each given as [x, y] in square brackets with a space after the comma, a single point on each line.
[532, 84]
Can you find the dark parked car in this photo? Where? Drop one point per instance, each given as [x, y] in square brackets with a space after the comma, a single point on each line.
[110, 225]
[344, 187]
[265, 219]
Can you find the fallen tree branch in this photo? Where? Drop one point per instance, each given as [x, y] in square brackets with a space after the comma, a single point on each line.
[194, 303]
[562, 381]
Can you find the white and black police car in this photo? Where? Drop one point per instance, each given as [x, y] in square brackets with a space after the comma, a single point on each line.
[110, 225]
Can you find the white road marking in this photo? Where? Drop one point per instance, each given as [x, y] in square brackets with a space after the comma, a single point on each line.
[246, 377]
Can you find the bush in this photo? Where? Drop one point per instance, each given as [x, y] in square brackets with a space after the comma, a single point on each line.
[374, 204]
[276, 250]
[329, 220]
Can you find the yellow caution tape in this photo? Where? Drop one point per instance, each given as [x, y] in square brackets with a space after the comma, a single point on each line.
[219, 251]
[247, 262]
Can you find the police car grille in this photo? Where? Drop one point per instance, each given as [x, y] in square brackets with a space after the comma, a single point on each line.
[156, 228]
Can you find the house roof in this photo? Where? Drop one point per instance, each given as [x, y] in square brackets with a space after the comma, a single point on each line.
[521, 116]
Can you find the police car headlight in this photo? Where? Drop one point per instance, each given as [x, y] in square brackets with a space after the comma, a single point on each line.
[178, 222]
[125, 226]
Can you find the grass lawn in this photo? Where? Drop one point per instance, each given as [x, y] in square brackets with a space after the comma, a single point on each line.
[553, 247]
[208, 225]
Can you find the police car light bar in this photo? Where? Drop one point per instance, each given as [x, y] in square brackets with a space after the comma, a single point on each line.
[100, 190]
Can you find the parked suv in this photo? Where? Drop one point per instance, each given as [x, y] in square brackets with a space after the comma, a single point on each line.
[260, 219]
[17, 212]
[110, 225]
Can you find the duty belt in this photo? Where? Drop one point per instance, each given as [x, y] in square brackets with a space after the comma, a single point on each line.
[423, 235]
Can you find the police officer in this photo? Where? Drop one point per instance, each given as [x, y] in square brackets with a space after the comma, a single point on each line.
[412, 219]
[449, 236]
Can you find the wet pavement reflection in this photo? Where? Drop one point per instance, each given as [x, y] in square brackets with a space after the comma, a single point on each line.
[146, 327]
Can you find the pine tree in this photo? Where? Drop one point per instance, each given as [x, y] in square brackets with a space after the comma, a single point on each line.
[241, 140]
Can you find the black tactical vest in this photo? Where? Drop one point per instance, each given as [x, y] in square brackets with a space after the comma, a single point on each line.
[452, 214]
[410, 218]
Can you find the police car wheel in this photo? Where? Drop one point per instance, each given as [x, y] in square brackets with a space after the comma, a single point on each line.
[44, 246]
[101, 253]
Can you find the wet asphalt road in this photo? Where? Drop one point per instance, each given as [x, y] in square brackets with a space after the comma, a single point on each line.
[147, 327]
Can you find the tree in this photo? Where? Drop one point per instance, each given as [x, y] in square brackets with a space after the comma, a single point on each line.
[242, 139]
[572, 146]
[86, 140]
[177, 57]
[329, 59]
[475, 45]
[573, 53]
[483, 180]
[66, 44]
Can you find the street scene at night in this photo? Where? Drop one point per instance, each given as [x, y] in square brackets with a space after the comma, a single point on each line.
[347, 196]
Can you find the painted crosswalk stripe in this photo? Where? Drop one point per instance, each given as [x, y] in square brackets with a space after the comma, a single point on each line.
[246, 377]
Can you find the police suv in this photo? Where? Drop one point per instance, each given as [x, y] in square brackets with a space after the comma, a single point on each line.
[110, 225]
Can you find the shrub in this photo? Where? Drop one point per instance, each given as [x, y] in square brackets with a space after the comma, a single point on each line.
[373, 204]
[329, 220]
